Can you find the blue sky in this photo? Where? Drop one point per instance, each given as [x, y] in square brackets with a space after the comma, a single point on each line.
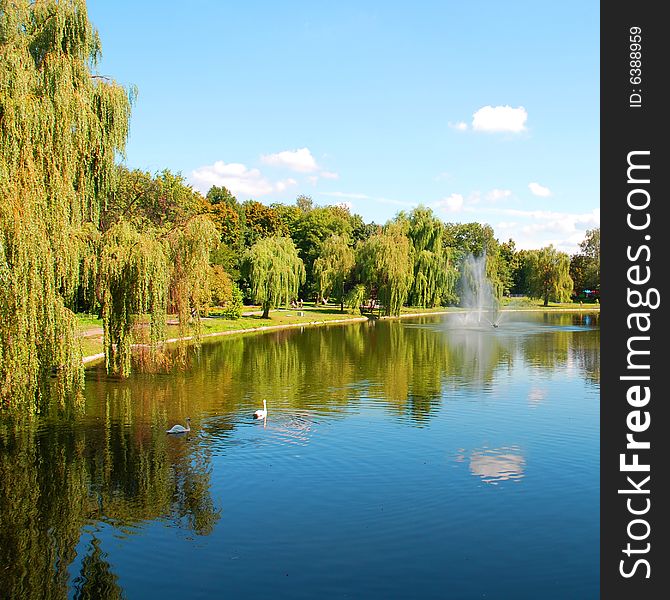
[485, 111]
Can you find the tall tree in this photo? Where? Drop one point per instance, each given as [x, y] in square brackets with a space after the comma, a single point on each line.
[333, 266]
[61, 128]
[190, 248]
[590, 248]
[221, 195]
[276, 272]
[549, 275]
[134, 274]
[311, 229]
[260, 221]
[386, 265]
[510, 264]
[435, 274]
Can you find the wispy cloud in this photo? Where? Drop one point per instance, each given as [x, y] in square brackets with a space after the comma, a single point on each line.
[494, 119]
[238, 178]
[453, 203]
[539, 190]
[495, 195]
[458, 126]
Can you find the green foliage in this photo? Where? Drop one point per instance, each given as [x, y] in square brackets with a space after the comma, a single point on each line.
[190, 247]
[60, 130]
[333, 266]
[220, 285]
[225, 293]
[311, 229]
[163, 201]
[134, 275]
[549, 275]
[386, 265]
[585, 266]
[510, 265]
[276, 272]
[260, 221]
[221, 195]
[435, 275]
[304, 203]
[233, 308]
[228, 216]
[355, 296]
[289, 215]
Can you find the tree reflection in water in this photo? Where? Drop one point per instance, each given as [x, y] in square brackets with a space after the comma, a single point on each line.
[102, 468]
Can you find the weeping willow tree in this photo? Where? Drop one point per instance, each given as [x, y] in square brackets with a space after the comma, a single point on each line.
[333, 266]
[386, 263]
[134, 274]
[61, 128]
[549, 275]
[435, 274]
[275, 270]
[190, 281]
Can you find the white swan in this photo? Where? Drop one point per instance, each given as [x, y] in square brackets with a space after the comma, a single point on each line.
[262, 413]
[181, 428]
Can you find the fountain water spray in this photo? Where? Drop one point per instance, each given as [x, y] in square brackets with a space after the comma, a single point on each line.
[477, 294]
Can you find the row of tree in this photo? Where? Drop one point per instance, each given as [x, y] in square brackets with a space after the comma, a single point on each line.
[78, 232]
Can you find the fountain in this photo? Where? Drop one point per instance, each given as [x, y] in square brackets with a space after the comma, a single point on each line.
[477, 294]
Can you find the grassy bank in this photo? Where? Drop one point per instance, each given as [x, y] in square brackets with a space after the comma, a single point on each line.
[90, 327]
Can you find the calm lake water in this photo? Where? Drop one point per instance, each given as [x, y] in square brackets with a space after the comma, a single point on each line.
[427, 458]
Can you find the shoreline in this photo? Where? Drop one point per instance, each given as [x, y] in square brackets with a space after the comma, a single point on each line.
[94, 359]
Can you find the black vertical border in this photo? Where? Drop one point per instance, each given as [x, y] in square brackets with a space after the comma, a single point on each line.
[625, 129]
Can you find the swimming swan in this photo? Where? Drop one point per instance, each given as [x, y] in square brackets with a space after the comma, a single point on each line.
[181, 428]
[261, 413]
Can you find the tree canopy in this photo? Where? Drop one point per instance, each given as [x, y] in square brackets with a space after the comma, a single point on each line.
[275, 270]
[549, 275]
[386, 264]
[333, 266]
[61, 128]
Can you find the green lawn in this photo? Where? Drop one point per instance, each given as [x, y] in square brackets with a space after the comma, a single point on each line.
[90, 327]
[525, 303]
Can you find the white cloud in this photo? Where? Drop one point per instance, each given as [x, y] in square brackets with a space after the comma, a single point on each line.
[453, 203]
[329, 175]
[539, 190]
[300, 160]
[539, 228]
[282, 185]
[238, 178]
[494, 119]
[459, 126]
[496, 194]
